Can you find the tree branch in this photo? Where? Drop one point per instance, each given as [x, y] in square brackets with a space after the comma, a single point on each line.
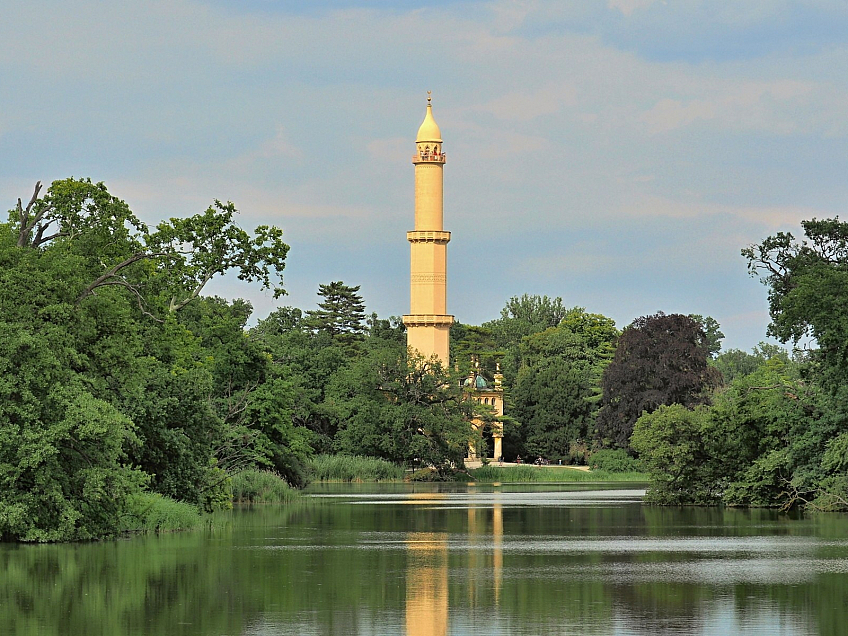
[26, 223]
[176, 306]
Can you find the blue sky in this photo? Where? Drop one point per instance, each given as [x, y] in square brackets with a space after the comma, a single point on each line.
[617, 154]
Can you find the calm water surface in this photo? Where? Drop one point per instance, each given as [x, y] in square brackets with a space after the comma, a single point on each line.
[436, 560]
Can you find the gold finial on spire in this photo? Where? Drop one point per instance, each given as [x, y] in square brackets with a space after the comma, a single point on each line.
[429, 97]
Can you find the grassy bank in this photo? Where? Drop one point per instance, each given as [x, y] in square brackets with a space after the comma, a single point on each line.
[261, 486]
[515, 474]
[344, 468]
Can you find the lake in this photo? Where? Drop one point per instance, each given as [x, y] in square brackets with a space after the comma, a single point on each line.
[433, 560]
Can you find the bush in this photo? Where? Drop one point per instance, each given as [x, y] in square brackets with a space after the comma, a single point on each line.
[261, 486]
[614, 461]
[347, 468]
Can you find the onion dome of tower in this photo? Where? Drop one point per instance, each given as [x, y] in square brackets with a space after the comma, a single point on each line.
[429, 129]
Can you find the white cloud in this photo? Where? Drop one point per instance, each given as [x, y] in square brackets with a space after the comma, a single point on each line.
[628, 7]
[522, 106]
[771, 106]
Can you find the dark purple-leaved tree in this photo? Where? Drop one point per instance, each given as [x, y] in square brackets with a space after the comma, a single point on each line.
[659, 359]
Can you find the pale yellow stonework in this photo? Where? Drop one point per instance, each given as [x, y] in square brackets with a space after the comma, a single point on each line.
[428, 323]
[479, 390]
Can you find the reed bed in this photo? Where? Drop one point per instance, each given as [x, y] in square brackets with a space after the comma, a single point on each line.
[555, 474]
[152, 512]
[261, 486]
[347, 468]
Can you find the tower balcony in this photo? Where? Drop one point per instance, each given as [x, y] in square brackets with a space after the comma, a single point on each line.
[428, 320]
[428, 158]
[428, 236]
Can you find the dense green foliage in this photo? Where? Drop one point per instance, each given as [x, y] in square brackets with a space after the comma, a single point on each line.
[108, 388]
[741, 450]
[127, 397]
[775, 434]
[614, 460]
[557, 386]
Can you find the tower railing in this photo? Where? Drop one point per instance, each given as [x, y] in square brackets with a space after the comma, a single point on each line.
[430, 158]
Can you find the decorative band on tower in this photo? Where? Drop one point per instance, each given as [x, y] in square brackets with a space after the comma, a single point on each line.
[428, 323]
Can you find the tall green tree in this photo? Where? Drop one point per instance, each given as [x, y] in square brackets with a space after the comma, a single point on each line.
[473, 347]
[522, 316]
[807, 281]
[404, 410]
[308, 360]
[808, 290]
[712, 333]
[341, 314]
[525, 315]
[557, 389]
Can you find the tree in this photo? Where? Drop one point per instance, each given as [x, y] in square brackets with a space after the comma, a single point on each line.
[735, 363]
[808, 290]
[755, 446]
[558, 385]
[341, 314]
[551, 404]
[307, 361]
[525, 315]
[659, 360]
[522, 316]
[406, 410]
[673, 443]
[391, 328]
[474, 347]
[162, 269]
[712, 332]
[63, 469]
[117, 375]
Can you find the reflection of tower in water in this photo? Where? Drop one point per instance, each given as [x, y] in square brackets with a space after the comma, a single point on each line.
[427, 584]
[497, 547]
[478, 559]
[427, 591]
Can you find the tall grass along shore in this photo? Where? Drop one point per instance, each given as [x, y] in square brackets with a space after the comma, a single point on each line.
[346, 468]
[261, 486]
[554, 474]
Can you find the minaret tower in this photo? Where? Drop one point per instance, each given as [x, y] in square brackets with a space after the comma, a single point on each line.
[428, 324]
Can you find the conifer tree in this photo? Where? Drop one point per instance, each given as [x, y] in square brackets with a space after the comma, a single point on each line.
[342, 313]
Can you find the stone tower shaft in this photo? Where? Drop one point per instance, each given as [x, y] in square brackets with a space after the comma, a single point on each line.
[428, 323]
